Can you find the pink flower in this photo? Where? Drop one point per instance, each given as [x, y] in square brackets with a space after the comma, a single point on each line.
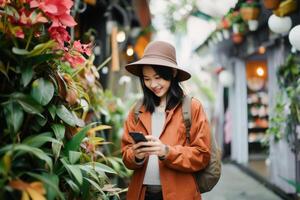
[3, 3]
[31, 18]
[18, 32]
[82, 48]
[60, 35]
[57, 10]
[74, 60]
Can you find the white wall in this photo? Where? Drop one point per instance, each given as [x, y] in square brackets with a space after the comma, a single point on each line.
[238, 106]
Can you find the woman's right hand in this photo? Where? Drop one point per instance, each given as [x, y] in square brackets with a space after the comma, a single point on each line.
[138, 150]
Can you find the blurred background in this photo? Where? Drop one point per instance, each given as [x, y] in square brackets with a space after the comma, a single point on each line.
[245, 64]
[244, 57]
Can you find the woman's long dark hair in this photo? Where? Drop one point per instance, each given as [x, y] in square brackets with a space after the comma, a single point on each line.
[174, 94]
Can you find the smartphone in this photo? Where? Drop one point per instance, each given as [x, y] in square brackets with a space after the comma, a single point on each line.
[138, 137]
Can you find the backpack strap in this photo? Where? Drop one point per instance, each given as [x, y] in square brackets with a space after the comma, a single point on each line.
[186, 111]
[137, 107]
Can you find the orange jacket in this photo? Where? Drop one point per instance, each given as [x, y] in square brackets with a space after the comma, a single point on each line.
[176, 171]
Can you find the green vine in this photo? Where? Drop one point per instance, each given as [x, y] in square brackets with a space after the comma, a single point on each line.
[287, 108]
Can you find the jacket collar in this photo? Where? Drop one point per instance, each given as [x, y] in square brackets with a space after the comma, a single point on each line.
[145, 117]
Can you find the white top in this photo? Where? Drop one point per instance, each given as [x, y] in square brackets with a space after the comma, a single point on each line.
[152, 171]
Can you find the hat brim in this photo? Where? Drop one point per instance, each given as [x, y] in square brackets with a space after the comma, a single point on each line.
[135, 68]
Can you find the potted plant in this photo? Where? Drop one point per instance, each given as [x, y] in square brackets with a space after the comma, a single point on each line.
[47, 149]
[271, 4]
[250, 10]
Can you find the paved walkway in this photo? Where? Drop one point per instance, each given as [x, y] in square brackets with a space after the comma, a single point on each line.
[236, 185]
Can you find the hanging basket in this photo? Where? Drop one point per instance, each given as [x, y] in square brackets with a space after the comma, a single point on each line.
[285, 8]
[249, 13]
[271, 4]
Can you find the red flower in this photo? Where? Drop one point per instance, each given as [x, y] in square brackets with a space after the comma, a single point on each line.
[57, 10]
[60, 35]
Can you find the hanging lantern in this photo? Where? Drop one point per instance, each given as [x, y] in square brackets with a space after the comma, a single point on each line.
[279, 24]
[294, 37]
[226, 78]
[253, 25]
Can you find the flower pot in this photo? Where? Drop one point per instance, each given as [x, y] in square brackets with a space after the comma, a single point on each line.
[253, 25]
[285, 8]
[237, 38]
[271, 4]
[249, 13]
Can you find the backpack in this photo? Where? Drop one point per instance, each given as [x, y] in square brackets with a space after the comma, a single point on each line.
[206, 178]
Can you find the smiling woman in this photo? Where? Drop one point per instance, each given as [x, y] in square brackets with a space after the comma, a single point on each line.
[166, 155]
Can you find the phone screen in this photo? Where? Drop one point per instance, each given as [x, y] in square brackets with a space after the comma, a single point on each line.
[138, 137]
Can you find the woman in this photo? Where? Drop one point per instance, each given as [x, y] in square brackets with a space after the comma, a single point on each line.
[164, 165]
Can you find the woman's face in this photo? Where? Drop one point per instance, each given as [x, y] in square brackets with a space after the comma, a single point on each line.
[154, 82]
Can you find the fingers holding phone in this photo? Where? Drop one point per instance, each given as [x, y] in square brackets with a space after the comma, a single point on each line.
[140, 143]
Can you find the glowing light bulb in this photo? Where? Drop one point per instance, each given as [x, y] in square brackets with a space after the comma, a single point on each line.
[260, 71]
[129, 51]
[121, 36]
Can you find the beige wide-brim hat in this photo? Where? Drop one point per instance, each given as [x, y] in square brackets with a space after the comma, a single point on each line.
[158, 53]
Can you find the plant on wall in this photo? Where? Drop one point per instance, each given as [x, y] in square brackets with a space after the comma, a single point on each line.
[287, 108]
[47, 148]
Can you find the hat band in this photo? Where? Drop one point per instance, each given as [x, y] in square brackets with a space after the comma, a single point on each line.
[163, 57]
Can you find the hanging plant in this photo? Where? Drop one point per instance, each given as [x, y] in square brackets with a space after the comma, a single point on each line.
[287, 108]
[250, 10]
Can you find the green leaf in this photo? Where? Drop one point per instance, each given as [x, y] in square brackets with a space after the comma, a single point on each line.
[40, 48]
[72, 185]
[56, 150]
[49, 182]
[99, 167]
[41, 120]
[96, 185]
[22, 148]
[52, 110]
[104, 168]
[74, 156]
[3, 70]
[27, 74]
[42, 91]
[27, 102]
[64, 114]
[59, 131]
[51, 192]
[42, 58]
[73, 170]
[18, 51]
[75, 142]
[40, 139]
[14, 116]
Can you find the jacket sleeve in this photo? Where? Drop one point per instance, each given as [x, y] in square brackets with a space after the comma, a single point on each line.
[196, 156]
[127, 142]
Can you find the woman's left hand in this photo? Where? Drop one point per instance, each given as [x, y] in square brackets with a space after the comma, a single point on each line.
[156, 147]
